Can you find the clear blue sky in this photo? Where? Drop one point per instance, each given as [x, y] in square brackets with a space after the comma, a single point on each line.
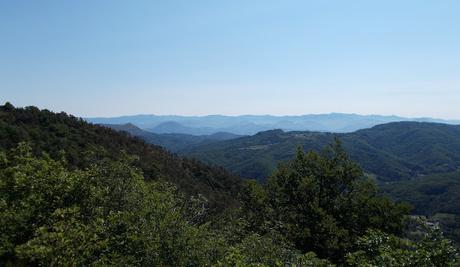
[107, 58]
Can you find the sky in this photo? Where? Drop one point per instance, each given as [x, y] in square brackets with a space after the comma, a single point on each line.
[109, 58]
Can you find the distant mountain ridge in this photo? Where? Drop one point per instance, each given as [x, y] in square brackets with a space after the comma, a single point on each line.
[391, 152]
[252, 124]
[171, 127]
[415, 162]
[172, 141]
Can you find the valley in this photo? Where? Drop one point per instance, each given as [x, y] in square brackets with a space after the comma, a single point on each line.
[127, 191]
[414, 162]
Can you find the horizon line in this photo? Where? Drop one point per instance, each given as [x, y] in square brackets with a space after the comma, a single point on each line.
[457, 120]
[271, 115]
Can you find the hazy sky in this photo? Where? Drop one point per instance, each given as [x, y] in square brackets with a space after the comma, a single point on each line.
[104, 58]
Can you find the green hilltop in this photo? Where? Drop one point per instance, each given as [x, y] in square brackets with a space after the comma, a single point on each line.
[77, 194]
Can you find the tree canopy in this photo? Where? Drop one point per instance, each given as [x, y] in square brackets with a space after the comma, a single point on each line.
[316, 210]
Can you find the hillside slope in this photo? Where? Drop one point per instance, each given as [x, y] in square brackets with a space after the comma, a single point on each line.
[172, 141]
[53, 133]
[392, 152]
[434, 147]
[436, 196]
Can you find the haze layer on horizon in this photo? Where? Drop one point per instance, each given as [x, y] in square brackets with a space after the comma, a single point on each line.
[111, 58]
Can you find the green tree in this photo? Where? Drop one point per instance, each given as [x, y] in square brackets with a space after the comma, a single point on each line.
[103, 215]
[380, 249]
[320, 202]
[315, 211]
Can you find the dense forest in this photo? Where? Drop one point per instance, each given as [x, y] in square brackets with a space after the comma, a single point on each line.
[412, 162]
[391, 152]
[73, 193]
[435, 196]
[82, 143]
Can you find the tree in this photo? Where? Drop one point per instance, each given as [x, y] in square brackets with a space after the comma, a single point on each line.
[106, 214]
[322, 203]
[315, 211]
[380, 249]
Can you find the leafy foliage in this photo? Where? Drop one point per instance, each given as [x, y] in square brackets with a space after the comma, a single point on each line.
[107, 214]
[412, 162]
[84, 143]
[100, 215]
[96, 206]
[320, 203]
[380, 249]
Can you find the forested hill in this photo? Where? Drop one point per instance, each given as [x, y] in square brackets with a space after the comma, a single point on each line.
[60, 134]
[434, 147]
[394, 151]
[84, 203]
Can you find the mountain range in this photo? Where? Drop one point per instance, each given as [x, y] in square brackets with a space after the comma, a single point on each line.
[68, 185]
[174, 142]
[413, 162]
[252, 124]
[389, 152]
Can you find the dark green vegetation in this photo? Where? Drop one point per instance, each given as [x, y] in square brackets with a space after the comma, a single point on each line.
[391, 152]
[436, 196]
[429, 194]
[61, 134]
[99, 203]
[413, 162]
[103, 215]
